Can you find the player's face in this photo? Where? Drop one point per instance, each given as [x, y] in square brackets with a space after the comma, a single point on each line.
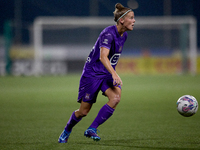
[129, 21]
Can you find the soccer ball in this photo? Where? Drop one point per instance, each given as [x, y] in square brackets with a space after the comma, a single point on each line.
[187, 105]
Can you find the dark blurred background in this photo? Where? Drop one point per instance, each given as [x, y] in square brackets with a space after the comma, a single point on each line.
[16, 30]
[23, 12]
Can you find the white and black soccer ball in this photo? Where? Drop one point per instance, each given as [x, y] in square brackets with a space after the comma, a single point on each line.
[187, 105]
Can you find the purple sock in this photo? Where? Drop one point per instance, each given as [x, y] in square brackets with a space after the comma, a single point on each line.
[72, 122]
[105, 112]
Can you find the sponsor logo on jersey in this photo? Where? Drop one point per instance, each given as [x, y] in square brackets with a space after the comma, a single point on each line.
[114, 59]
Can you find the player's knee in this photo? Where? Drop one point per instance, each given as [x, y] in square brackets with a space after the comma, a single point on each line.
[116, 99]
[83, 113]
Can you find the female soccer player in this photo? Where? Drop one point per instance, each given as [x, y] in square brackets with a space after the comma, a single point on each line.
[99, 74]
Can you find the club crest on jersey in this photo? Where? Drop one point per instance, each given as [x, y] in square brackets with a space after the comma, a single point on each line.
[87, 96]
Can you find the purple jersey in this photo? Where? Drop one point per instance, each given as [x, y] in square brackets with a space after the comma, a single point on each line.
[108, 38]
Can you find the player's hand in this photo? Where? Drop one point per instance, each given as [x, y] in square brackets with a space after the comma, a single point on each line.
[116, 80]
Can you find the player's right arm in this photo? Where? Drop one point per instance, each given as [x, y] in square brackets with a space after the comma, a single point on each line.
[104, 52]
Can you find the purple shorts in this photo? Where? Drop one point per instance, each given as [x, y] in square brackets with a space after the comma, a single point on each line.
[90, 87]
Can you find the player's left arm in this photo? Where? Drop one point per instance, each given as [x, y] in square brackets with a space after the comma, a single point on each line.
[104, 52]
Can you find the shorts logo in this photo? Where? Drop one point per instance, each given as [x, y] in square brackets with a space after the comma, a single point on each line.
[114, 59]
[120, 49]
[87, 96]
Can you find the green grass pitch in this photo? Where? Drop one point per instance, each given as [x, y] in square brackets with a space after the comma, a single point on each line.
[34, 111]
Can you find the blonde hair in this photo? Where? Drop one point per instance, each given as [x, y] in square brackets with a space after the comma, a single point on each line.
[120, 11]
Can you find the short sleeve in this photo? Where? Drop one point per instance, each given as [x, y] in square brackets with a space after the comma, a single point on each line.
[105, 40]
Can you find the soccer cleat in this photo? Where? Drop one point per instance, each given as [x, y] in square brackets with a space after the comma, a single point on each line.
[64, 137]
[92, 133]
